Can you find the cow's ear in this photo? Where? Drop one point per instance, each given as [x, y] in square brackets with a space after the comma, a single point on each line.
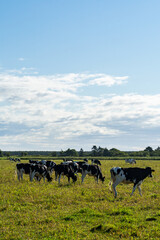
[152, 170]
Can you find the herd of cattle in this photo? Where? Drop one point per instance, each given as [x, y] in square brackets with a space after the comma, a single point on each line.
[44, 169]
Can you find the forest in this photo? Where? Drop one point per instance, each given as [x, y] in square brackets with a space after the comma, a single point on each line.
[94, 152]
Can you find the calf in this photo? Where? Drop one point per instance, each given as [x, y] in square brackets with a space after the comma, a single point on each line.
[38, 171]
[22, 168]
[64, 169]
[130, 160]
[95, 161]
[92, 170]
[129, 175]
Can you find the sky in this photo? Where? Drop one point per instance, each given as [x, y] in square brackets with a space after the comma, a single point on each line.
[74, 74]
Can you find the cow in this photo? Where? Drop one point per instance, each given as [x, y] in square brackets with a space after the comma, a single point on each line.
[39, 171]
[12, 159]
[130, 160]
[33, 161]
[50, 166]
[64, 169]
[129, 175]
[95, 161]
[85, 160]
[73, 165]
[80, 164]
[92, 170]
[22, 168]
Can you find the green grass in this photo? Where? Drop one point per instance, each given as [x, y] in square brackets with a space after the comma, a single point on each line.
[78, 211]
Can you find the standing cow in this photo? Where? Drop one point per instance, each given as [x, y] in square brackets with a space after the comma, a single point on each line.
[129, 175]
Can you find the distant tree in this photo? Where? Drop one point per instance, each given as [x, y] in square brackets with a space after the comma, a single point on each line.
[94, 151]
[62, 153]
[148, 149]
[54, 154]
[100, 151]
[24, 154]
[1, 153]
[7, 154]
[157, 151]
[114, 152]
[81, 153]
[71, 152]
[105, 152]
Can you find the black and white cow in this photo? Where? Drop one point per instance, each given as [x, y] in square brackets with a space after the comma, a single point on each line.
[15, 159]
[80, 164]
[50, 166]
[92, 170]
[12, 159]
[64, 169]
[129, 175]
[22, 168]
[38, 171]
[95, 161]
[73, 165]
[130, 160]
[85, 160]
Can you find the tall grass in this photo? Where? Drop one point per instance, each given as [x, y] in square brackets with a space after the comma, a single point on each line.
[32, 210]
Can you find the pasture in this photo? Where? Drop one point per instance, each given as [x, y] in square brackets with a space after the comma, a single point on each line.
[33, 210]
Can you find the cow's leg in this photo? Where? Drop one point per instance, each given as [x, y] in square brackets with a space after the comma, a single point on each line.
[83, 176]
[32, 175]
[139, 189]
[114, 184]
[114, 189]
[134, 188]
[21, 174]
[69, 179]
[59, 178]
[18, 175]
[96, 178]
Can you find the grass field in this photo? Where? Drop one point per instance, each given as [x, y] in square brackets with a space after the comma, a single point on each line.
[32, 210]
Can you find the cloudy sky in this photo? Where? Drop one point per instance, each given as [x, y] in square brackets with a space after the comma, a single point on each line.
[74, 74]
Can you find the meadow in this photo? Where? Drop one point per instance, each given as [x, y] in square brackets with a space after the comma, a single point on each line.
[33, 210]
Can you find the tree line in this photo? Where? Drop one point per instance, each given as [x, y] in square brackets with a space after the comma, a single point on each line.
[95, 152]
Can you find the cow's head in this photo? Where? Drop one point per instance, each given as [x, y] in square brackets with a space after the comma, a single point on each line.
[74, 177]
[103, 178]
[149, 170]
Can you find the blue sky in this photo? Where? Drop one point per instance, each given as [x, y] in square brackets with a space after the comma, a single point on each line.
[74, 74]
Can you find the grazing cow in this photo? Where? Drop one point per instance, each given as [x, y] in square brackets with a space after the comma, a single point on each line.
[80, 164]
[50, 166]
[130, 160]
[129, 175]
[22, 168]
[33, 161]
[12, 159]
[64, 169]
[92, 170]
[85, 160]
[67, 160]
[38, 171]
[17, 160]
[73, 165]
[95, 161]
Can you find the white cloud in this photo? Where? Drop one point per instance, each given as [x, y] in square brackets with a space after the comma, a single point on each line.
[53, 113]
[106, 80]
